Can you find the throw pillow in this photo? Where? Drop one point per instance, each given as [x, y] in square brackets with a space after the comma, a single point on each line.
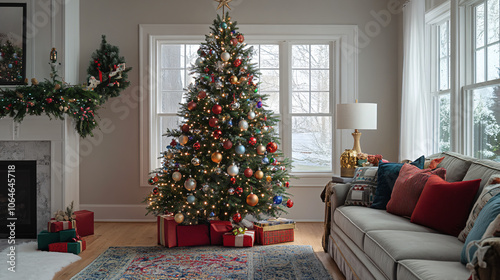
[444, 206]
[362, 187]
[434, 163]
[387, 175]
[484, 219]
[493, 229]
[491, 189]
[408, 187]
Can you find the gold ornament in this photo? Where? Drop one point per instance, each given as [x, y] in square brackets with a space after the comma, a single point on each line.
[252, 199]
[269, 178]
[216, 157]
[179, 218]
[57, 87]
[223, 3]
[348, 161]
[261, 150]
[234, 80]
[259, 174]
[34, 81]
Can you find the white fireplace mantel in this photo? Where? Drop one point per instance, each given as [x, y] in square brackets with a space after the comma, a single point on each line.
[64, 159]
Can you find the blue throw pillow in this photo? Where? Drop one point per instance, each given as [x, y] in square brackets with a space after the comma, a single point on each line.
[387, 174]
[489, 212]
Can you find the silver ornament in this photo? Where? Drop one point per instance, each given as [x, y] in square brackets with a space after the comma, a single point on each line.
[225, 56]
[235, 105]
[233, 170]
[190, 184]
[243, 125]
[177, 176]
[195, 161]
[251, 115]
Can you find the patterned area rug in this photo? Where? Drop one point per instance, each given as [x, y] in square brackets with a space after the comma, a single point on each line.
[261, 262]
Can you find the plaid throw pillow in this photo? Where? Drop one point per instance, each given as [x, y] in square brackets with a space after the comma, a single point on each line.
[363, 187]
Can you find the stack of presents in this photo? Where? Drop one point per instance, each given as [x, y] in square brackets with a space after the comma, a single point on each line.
[266, 232]
[65, 236]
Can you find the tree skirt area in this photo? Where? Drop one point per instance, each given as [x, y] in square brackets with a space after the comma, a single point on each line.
[34, 264]
[261, 262]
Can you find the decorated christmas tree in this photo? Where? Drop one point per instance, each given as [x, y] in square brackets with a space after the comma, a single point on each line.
[223, 161]
[11, 63]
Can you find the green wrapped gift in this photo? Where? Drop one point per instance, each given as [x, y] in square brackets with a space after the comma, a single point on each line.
[45, 238]
[67, 235]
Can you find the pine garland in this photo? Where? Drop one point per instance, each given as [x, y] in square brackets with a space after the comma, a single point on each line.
[56, 99]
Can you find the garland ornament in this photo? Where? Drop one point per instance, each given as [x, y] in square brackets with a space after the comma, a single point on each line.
[56, 98]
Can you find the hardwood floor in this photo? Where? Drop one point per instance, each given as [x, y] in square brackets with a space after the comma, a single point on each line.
[144, 234]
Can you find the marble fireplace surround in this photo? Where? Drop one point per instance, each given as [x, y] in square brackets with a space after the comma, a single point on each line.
[54, 145]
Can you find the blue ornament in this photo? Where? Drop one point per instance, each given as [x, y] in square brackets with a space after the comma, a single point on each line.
[240, 149]
[10, 65]
[224, 25]
[212, 214]
[14, 55]
[277, 199]
[259, 104]
[191, 199]
[230, 123]
[265, 160]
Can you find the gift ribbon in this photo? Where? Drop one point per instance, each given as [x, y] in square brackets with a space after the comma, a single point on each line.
[239, 231]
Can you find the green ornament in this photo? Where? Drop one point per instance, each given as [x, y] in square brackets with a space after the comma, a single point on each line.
[256, 90]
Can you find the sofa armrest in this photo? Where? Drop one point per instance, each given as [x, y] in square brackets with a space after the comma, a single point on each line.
[338, 195]
[335, 195]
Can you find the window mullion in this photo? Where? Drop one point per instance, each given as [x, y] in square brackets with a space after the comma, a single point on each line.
[285, 97]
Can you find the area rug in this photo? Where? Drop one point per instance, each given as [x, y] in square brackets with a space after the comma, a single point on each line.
[261, 262]
[31, 264]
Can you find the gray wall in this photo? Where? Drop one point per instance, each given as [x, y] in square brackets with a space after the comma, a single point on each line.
[109, 171]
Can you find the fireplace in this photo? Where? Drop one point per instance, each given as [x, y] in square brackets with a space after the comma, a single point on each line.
[18, 199]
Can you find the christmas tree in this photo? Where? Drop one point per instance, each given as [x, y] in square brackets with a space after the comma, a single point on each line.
[224, 160]
[11, 63]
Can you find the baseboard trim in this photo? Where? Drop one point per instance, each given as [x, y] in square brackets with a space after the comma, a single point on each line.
[134, 213]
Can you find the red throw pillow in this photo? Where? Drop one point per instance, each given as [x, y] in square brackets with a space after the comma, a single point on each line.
[445, 206]
[408, 187]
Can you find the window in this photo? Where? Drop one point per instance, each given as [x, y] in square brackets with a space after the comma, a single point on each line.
[302, 81]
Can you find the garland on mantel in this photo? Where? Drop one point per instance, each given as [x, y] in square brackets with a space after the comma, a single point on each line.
[107, 77]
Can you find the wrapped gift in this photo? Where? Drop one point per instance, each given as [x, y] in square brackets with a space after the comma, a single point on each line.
[276, 224]
[167, 231]
[245, 239]
[195, 235]
[67, 235]
[85, 222]
[267, 236]
[68, 247]
[55, 226]
[217, 230]
[45, 238]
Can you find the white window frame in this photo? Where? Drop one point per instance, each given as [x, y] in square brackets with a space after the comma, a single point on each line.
[344, 82]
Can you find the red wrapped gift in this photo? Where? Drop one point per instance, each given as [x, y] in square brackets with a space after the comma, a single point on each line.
[195, 235]
[267, 237]
[167, 231]
[217, 230]
[55, 226]
[68, 247]
[85, 222]
[241, 240]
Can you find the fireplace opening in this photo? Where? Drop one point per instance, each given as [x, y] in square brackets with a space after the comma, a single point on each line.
[18, 199]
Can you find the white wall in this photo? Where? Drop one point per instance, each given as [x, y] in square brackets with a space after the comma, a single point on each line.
[109, 173]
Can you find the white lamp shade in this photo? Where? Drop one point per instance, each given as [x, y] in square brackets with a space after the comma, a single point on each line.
[357, 116]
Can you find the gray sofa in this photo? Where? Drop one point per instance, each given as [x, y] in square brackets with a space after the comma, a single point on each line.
[368, 243]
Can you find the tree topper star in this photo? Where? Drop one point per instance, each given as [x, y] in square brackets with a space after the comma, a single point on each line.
[223, 3]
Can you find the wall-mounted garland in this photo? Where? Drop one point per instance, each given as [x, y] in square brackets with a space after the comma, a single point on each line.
[107, 77]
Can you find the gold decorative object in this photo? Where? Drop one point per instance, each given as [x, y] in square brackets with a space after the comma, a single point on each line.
[348, 161]
[223, 3]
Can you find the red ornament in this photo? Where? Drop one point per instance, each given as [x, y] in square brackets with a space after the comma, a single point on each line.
[197, 146]
[234, 41]
[217, 133]
[239, 190]
[287, 184]
[240, 38]
[202, 94]
[227, 144]
[233, 180]
[252, 141]
[155, 190]
[155, 179]
[248, 172]
[237, 217]
[237, 62]
[272, 147]
[173, 143]
[289, 203]
[191, 105]
[49, 100]
[185, 128]
[213, 122]
[207, 70]
[217, 109]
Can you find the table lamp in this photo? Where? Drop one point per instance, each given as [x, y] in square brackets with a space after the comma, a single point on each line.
[355, 116]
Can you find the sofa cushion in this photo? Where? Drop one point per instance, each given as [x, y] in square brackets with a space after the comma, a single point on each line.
[408, 187]
[444, 206]
[482, 169]
[491, 189]
[431, 270]
[387, 174]
[456, 166]
[386, 247]
[356, 221]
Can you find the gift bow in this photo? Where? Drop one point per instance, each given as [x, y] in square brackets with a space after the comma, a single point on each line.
[240, 230]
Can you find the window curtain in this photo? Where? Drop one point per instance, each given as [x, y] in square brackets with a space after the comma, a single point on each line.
[416, 126]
